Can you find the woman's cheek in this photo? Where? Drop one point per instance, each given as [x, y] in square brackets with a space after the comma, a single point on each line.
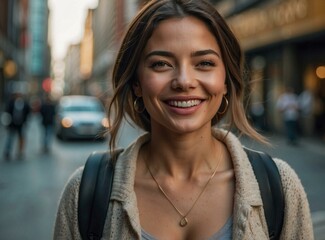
[215, 84]
[153, 84]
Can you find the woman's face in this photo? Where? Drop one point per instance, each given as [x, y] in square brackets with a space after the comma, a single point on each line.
[181, 75]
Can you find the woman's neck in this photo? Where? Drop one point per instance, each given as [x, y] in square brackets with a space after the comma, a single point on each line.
[182, 155]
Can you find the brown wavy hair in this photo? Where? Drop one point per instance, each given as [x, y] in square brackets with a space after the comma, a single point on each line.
[140, 30]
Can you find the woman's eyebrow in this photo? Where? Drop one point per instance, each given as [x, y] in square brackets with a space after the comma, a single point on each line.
[204, 52]
[159, 53]
[193, 54]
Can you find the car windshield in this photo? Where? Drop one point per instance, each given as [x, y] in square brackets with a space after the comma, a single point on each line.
[83, 108]
[78, 105]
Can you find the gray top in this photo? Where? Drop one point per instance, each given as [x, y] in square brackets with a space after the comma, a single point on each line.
[225, 233]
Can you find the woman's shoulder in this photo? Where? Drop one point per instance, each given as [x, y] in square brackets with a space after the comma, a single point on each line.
[75, 177]
[71, 188]
[285, 169]
[291, 182]
[66, 225]
[297, 221]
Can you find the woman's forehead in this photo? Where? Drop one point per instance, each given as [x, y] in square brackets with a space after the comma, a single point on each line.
[181, 31]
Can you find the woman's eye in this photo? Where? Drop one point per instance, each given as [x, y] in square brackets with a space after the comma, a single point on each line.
[206, 64]
[159, 65]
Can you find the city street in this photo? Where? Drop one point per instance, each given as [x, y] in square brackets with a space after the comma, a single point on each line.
[30, 188]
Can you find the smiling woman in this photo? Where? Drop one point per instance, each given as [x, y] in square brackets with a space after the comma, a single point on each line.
[178, 73]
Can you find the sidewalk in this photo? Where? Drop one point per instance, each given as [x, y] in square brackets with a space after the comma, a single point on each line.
[318, 218]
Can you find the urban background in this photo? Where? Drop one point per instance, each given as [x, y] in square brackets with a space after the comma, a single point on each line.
[284, 47]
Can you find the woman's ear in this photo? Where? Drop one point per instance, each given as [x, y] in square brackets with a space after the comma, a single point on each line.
[137, 89]
[225, 90]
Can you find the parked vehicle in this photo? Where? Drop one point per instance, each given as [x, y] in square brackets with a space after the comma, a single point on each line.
[80, 117]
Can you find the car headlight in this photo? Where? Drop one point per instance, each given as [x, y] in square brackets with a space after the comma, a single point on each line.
[105, 123]
[66, 122]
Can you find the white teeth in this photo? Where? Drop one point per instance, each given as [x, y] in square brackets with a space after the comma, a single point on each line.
[185, 104]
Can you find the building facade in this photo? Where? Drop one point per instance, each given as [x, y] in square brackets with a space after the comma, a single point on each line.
[38, 57]
[13, 44]
[110, 19]
[284, 46]
[24, 50]
[72, 77]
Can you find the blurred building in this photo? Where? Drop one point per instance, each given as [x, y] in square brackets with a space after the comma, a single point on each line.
[24, 51]
[13, 43]
[88, 65]
[38, 57]
[72, 76]
[109, 21]
[105, 41]
[284, 45]
[79, 61]
[87, 50]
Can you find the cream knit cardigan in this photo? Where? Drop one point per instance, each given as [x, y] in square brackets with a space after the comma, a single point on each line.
[249, 223]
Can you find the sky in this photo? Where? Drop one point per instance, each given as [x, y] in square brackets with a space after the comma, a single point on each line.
[66, 23]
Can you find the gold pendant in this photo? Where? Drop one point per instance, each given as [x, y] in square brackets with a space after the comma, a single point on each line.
[183, 222]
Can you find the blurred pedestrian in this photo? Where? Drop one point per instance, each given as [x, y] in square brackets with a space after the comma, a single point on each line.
[47, 112]
[319, 114]
[17, 110]
[178, 75]
[288, 105]
[306, 104]
[257, 115]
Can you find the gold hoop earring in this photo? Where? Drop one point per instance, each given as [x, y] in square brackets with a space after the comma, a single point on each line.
[137, 106]
[226, 107]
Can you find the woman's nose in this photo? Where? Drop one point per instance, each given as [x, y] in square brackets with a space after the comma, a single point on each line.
[184, 79]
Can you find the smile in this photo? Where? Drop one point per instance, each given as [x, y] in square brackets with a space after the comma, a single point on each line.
[184, 104]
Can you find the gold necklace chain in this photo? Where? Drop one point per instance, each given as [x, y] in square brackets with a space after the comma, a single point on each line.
[183, 222]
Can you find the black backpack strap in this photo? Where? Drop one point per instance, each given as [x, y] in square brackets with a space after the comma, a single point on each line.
[269, 181]
[94, 194]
